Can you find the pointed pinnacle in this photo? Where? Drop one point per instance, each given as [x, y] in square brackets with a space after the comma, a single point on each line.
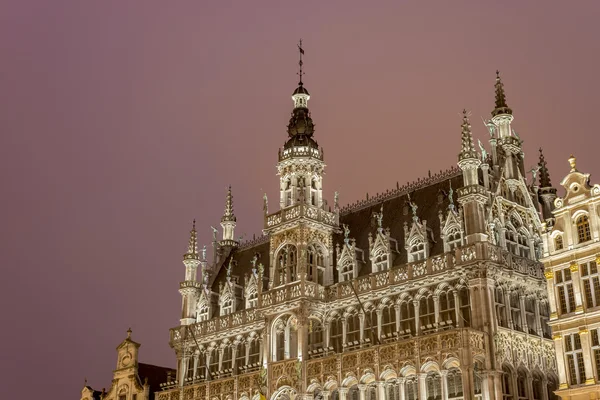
[467, 145]
[501, 106]
[228, 216]
[192, 253]
[544, 174]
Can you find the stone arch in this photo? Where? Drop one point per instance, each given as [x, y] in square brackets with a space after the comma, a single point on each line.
[451, 362]
[349, 380]
[388, 373]
[330, 384]
[367, 377]
[430, 366]
[284, 393]
[313, 386]
[407, 370]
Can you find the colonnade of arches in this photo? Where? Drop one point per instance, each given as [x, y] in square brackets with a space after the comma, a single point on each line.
[425, 311]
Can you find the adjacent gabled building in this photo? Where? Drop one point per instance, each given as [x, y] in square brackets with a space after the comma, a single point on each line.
[571, 257]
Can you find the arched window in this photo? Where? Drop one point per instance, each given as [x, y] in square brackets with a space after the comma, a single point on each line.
[287, 193]
[316, 264]
[515, 309]
[285, 338]
[507, 387]
[253, 352]
[522, 385]
[392, 390]
[455, 386]
[551, 387]
[530, 315]
[583, 229]
[477, 380]
[558, 242]
[252, 300]
[314, 199]
[433, 383]
[388, 320]
[411, 388]
[227, 305]
[538, 387]
[353, 393]
[352, 329]
[453, 238]
[226, 362]
[347, 270]
[426, 314]
[214, 362]
[501, 317]
[335, 334]
[417, 251]
[286, 265]
[380, 261]
[465, 306]
[315, 337]
[202, 312]
[407, 318]
[447, 309]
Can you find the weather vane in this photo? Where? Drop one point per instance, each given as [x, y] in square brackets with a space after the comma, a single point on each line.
[300, 63]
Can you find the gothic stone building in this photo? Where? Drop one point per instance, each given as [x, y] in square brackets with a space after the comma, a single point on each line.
[571, 258]
[429, 291]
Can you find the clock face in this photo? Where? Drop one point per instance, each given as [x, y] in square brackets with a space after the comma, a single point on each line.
[126, 360]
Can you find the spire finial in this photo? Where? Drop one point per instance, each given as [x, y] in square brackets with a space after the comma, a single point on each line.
[573, 162]
[228, 216]
[543, 170]
[192, 252]
[300, 63]
[468, 147]
[501, 106]
[129, 333]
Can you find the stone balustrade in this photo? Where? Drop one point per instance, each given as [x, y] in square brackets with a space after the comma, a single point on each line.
[301, 211]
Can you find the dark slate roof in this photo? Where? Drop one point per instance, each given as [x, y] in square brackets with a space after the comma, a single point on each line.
[301, 90]
[396, 211]
[155, 375]
[242, 258]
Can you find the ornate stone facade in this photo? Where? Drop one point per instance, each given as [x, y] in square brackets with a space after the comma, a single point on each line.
[571, 259]
[411, 294]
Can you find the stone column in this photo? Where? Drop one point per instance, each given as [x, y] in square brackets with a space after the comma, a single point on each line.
[379, 322]
[327, 326]
[588, 356]
[459, 321]
[196, 356]
[325, 394]
[444, 379]
[538, 320]
[361, 319]
[422, 386]
[247, 353]
[436, 310]
[344, 330]
[551, 295]
[508, 308]
[343, 391]
[545, 393]
[560, 361]
[523, 313]
[417, 321]
[362, 389]
[397, 308]
[574, 267]
[183, 368]
[380, 390]
[402, 388]
[207, 366]
[221, 359]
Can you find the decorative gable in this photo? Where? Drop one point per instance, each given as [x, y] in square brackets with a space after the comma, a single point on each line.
[349, 259]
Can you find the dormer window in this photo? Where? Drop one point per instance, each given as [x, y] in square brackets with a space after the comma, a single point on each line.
[417, 251]
[202, 313]
[252, 299]
[347, 271]
[583, 229]
[227, 306]
[558, 243]
[454, 239]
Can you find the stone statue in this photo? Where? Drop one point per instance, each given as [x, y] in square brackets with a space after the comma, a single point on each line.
[346, 233]
[215, 231]
[336, 198]
[534, 172]
[517, 136]
[204, 253]
[254, 260]
[490, 126]
[379, 217]
[229, 267]
[265, 204]
[484, 153]
[261, 269]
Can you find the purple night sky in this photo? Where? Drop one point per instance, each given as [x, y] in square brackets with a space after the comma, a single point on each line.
[123, 121]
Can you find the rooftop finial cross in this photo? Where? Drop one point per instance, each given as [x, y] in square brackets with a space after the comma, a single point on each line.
[300, 63]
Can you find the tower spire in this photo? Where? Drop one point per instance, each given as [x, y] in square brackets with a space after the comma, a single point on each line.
[544, 174]
[192, 252]
[501, 106]
[468, 147]
[228, 216]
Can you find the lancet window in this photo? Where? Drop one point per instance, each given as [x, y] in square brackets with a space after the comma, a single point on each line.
[453, 238]
[455, 386]
[287, 193]
[478, 380]
[530, 305]
[522, 385]
[315, 335]
[226, 362]
[252, 300]
[465, 306]
[314, 199]
[507, 384]
[335, 333]
[202, 314]
[583, 229]
[417, 250]
[227, 305]
[388, 320]
[285, 338]
[447, 308]
[426, 313]
[287, 265]
[538, 386]
[214, 362]
[347, 269]
[411, 387]
[501, 315]
[253, 349]
[407, 318]
[433, 383]
[515, 310]
[352, 328]
[316, 264]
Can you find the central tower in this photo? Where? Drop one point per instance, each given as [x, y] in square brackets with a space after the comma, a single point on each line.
[301, 231]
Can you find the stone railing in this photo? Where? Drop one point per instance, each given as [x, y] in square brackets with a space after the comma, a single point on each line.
[300, 151]
[301, 211]
[291, 291]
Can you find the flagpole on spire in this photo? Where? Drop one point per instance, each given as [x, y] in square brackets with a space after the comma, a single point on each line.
[300, 63]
